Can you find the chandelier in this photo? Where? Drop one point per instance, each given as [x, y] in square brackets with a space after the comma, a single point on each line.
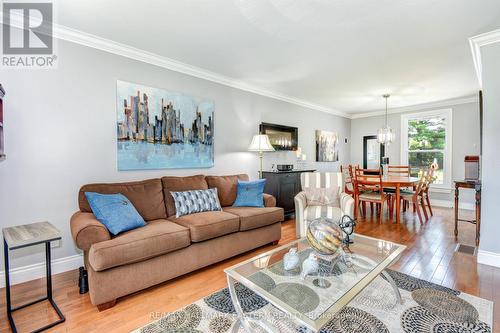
[385, 134]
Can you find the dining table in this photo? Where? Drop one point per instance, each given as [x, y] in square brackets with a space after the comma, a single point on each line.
[397, 182]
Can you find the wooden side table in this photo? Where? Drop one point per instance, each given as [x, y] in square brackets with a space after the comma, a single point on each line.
[23, 236]
[476, 185]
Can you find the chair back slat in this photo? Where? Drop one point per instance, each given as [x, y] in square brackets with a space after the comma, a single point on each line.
[368, 180]
[399, 170]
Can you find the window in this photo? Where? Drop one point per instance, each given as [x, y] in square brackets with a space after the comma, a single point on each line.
[426, 139]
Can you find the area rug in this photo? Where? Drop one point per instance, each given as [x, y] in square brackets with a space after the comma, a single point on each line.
[427, 307]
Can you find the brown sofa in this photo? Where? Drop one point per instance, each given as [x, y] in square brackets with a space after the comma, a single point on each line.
[167, 246]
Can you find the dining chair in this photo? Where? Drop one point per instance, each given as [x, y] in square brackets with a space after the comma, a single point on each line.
[368, 188]
[415, 197]
[425, 192]
[348, 176]
[399, 170]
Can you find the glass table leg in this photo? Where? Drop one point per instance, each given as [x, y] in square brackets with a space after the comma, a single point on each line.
[242, 320]
[388, 277]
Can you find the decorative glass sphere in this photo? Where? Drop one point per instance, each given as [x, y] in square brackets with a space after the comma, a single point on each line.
[324, 236]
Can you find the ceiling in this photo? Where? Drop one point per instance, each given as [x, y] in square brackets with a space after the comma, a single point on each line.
[340, 54]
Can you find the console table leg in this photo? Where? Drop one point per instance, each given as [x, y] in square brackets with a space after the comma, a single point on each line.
[478, 215]
[388, 277]
[7, 287]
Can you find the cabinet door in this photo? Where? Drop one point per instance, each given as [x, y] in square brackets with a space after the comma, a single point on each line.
[288, 190]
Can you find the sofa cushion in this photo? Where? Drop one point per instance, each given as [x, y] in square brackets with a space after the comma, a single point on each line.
[179, 184]
[226, 187]
[155, 238]
[208, 225]
[146, 196]
[253, 217]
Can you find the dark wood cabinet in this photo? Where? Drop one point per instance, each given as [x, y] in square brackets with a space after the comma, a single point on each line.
[284, 186]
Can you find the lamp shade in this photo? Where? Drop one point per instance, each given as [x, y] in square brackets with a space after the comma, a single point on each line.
[260, 142]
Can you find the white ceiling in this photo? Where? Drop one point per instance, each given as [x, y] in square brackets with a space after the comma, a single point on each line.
[341, 54]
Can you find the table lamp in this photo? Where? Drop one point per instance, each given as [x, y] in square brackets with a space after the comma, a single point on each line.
[260, 143]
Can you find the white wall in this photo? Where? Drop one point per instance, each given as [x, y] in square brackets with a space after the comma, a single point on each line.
[489, 248]
[60, 133]
[465, 141]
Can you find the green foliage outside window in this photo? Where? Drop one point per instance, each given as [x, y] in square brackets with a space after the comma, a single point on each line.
[426, 143]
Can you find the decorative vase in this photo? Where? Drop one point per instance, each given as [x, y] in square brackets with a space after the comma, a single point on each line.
[309, 266]
[325, 237]
[291, 259]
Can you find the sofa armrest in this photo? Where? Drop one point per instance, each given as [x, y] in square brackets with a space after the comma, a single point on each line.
[347, 204]
[300, 205]
[269, 200]
[87, 230]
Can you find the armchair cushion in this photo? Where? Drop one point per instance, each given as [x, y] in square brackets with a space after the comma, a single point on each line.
[314, 212]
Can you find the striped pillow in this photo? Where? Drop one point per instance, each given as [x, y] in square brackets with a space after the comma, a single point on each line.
[195, 201]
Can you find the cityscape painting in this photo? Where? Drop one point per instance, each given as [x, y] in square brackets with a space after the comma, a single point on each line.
[327, 149]
[159, 129]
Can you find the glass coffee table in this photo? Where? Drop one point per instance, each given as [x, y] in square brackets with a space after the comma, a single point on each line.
[314, 300]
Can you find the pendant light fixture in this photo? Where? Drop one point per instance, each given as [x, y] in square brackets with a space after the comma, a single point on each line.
[385, 134]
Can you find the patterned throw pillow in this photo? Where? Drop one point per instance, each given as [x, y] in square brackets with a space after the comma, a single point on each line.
[196, 201]
[322, 196]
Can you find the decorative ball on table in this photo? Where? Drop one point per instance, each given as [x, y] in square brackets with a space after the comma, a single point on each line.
[325, 237]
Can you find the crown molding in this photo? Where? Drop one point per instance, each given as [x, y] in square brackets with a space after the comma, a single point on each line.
[418, 107]
[124, 50]
[476, 43]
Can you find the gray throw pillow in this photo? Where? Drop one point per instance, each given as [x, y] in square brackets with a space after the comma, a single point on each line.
[195, 201]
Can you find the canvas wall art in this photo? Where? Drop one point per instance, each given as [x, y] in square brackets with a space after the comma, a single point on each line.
[327, 149]
[160, 129]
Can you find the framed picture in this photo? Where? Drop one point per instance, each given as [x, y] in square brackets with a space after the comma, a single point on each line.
[327, 146]
[160, 129]
[281, 137]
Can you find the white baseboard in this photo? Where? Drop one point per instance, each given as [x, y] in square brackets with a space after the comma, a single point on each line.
[488, 258]
[450, 204]
[37, 271]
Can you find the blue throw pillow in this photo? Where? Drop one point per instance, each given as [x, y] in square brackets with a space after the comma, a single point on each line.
[115, 211]
[250, 194]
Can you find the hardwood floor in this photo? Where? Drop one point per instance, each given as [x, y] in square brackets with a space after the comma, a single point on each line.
[430, 255]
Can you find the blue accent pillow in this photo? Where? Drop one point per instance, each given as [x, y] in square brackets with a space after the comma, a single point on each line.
[250, 194]
[115, 211]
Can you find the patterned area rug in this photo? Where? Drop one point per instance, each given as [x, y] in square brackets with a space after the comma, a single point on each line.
[427, 307]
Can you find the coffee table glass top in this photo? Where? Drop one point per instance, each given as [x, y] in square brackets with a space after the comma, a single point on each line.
[314, 300]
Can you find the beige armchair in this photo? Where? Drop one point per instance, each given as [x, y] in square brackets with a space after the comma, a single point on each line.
[319, 186]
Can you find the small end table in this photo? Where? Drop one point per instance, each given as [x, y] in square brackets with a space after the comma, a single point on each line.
[23, 236]
[476, 185]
